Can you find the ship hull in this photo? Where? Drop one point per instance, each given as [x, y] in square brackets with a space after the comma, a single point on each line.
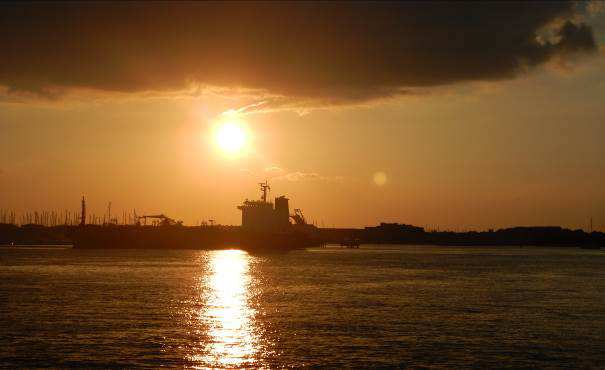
[179, 237]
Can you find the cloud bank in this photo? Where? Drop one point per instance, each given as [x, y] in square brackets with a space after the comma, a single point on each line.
[333, 53]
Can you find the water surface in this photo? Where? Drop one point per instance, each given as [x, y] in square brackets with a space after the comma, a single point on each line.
[374, 306]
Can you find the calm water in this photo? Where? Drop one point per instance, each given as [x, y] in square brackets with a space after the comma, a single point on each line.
[376, 306]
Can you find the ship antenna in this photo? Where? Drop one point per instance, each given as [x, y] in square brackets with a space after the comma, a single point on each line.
[264, 186]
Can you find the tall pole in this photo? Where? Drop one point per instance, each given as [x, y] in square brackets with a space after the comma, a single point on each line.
[83, 215]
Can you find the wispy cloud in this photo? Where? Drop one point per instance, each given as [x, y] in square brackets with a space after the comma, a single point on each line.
[274, 170]
[277, 173]
[308, 176]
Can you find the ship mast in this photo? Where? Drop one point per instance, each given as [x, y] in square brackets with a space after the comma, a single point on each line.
[264, 187]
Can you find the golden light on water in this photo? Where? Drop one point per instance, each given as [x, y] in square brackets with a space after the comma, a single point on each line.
[233, 338]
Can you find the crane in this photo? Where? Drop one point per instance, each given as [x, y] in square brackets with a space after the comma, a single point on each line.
[162, 220]
[298, 217]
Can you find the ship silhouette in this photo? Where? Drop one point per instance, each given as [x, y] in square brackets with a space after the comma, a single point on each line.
[265, 226]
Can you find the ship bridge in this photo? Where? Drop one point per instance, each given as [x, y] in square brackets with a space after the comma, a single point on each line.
[261, 215]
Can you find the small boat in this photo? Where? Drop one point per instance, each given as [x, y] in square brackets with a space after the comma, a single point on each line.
[350, 243]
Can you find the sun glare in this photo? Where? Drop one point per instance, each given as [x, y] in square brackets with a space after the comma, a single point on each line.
[231, 137]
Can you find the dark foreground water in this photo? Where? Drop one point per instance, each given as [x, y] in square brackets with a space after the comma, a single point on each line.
[375, 306]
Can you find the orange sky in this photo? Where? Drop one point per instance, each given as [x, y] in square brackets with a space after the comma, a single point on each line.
[524, 150]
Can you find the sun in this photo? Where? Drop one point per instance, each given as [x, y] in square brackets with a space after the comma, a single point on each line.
[231, 137]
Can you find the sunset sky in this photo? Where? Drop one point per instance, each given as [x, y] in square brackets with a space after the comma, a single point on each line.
[451, 115]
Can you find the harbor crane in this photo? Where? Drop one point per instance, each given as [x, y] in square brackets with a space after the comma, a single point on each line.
[298, 217]
[158, 220]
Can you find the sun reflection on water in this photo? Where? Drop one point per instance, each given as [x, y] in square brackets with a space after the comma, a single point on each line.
[233, 340]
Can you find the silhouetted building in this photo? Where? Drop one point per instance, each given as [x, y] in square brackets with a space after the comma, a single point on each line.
[393, 233]
[395, 227]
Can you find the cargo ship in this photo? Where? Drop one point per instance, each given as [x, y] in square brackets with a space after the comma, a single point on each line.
[266, 226]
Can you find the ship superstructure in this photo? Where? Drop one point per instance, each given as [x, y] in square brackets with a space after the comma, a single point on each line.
[262, 215]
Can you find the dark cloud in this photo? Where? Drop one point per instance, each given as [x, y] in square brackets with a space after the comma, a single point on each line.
[335, 52]
[575, 38]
